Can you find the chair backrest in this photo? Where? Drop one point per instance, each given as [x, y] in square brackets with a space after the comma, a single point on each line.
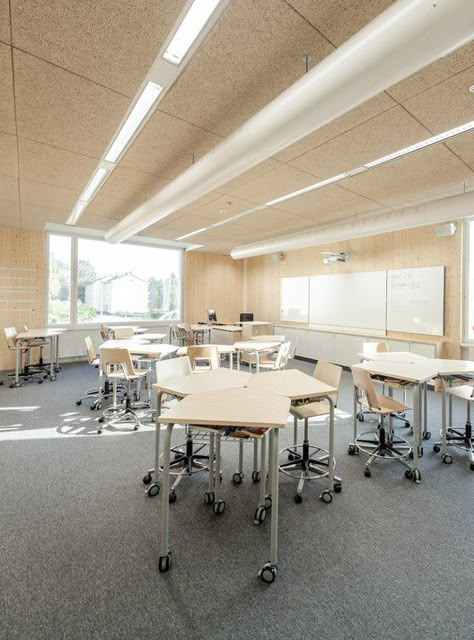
[375, 347]
[117, 357]
[294, 344]
[186, 335]
[363, 383]
[10, 335]
[104, 332]
[173, 368]
[282, 355]
[206, 353]
[122, 333]
[90, 350]
[174, 334]
[330, 374]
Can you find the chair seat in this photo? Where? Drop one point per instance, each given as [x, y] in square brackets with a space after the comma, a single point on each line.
[310, 410]
[385, 405]
[121, 376]
[464, 392]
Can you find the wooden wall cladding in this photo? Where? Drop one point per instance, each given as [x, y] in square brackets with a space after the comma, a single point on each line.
[411, 248]
[22, 284]
[212, 282]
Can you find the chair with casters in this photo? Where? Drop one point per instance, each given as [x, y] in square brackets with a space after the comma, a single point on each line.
[118, 368]
[28, 370]
[100, 393]
[203, 357]
[122, 333]
[307, 461]
[382, 444]
[104, 332]
[460, 437]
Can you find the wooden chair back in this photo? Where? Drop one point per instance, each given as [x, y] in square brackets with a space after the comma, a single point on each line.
[374, 347]
[206, 354]
[330, 374]
[104, 332]
[122, 333]
[90, 350]
[363, 383]
[117, 357]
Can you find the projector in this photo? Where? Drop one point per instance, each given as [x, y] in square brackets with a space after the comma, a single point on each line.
[330, 257]
[445, 230]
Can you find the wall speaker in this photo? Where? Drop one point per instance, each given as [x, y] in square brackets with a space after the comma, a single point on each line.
[445, 230]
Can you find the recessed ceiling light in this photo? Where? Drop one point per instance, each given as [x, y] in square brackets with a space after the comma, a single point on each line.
[136, 116]
[93, 185]
[312, 187]
[76, 212]
[192, 233]
[189, 29]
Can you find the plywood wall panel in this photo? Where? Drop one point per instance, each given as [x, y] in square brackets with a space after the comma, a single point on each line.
[411, 248]
[212, 282]
[22, 284]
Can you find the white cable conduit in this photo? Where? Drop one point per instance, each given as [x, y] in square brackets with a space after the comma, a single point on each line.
[406, 37]
[443, 210]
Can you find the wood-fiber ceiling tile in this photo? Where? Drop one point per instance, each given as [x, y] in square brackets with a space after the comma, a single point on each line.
[134, 186]
[328, 200]
[418, 175]
[274, 220]
[8, 188]
[274, 184]
[110, 42]
[96, 222]
[9, 219]
[107, 207]
[36, 217]
[45, 195]
[211, 196]
[338, 20]
[164, 232]
[252, 174]
[58, 108]
[447, 105]
[166, 145]
[9, 204]
[253, 54]
[53, 166]
[387, 132]
[5, 21]
[353, 118]
[7, 109]
[224, 207]
[8, 155]
[463, 147]
[434, 73]
[188, 222]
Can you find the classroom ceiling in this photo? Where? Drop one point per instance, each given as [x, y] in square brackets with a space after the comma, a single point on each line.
[69, 71]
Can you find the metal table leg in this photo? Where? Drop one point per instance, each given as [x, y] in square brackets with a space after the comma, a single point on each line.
[269, 569]
[165, 553]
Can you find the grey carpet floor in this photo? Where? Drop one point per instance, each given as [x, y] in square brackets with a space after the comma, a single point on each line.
[79, 539]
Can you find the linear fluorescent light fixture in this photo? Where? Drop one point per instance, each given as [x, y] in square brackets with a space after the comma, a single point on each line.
[421, 145]
[94, 184]
[189, 29]
[193, 233]
[76, 212]
[312, 187]
[136, 116]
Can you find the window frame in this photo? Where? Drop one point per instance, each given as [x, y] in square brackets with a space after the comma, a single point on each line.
[73, 323]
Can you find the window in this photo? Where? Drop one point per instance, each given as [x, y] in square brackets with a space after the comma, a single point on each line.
[469, 281]
[111, 283]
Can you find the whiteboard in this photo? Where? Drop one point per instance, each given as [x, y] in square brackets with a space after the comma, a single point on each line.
[415, 300]
[349, 300]
[294, 299]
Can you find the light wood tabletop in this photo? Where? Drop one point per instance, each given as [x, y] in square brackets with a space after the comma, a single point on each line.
[38, 333]
[136, 347]
[221, 348]
[290, 383]
[255, 345]
[214, 380]
[242, 407]
[393, 356]
[415, 372]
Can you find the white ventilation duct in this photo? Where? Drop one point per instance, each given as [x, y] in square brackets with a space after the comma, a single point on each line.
[452, 208]
[406, 37]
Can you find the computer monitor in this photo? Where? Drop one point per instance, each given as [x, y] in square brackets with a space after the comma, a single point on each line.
[246, 317]
[211, 315]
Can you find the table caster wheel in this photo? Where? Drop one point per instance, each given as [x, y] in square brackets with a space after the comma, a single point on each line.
[409, 474]
[100, 430]
[135, 427]
[352, 450]
[260, 515]
[427, 435]
[360, 417]
[101, 419]
[53, 379]
[237, 478]
[407, 424]
[410, 455]
[367, 472]
[209, 497]
[436, 448]
[420, 452]
[471, 466]
[172, 497]
[298, 498]
[268, 502]
[146, 478]
[153, 490]
[268, 573]
[165, 562]
[338, 487]
[255, 476]
[291, 456]
[326, 496]
[78, 403]
[416, 476]
[219, 507]
[447, 459]
[15, 385]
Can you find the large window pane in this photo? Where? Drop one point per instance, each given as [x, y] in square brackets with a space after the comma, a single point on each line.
[126, 282]
[470, 281]
[59, 303]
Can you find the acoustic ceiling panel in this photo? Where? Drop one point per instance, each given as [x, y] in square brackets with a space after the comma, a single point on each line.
[8, 155]
[254, 52]
[7, 109]
[62, 109]
[8, 188]
[278, 182]
[111, 42]
[463, 147]
[45, 195]
[387, 132]
[134, 186]
[5, 21]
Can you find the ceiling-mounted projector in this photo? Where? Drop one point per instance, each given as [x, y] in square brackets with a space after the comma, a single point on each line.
[330, 257]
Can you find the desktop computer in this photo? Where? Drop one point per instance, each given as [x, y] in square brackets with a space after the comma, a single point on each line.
[246, 317]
